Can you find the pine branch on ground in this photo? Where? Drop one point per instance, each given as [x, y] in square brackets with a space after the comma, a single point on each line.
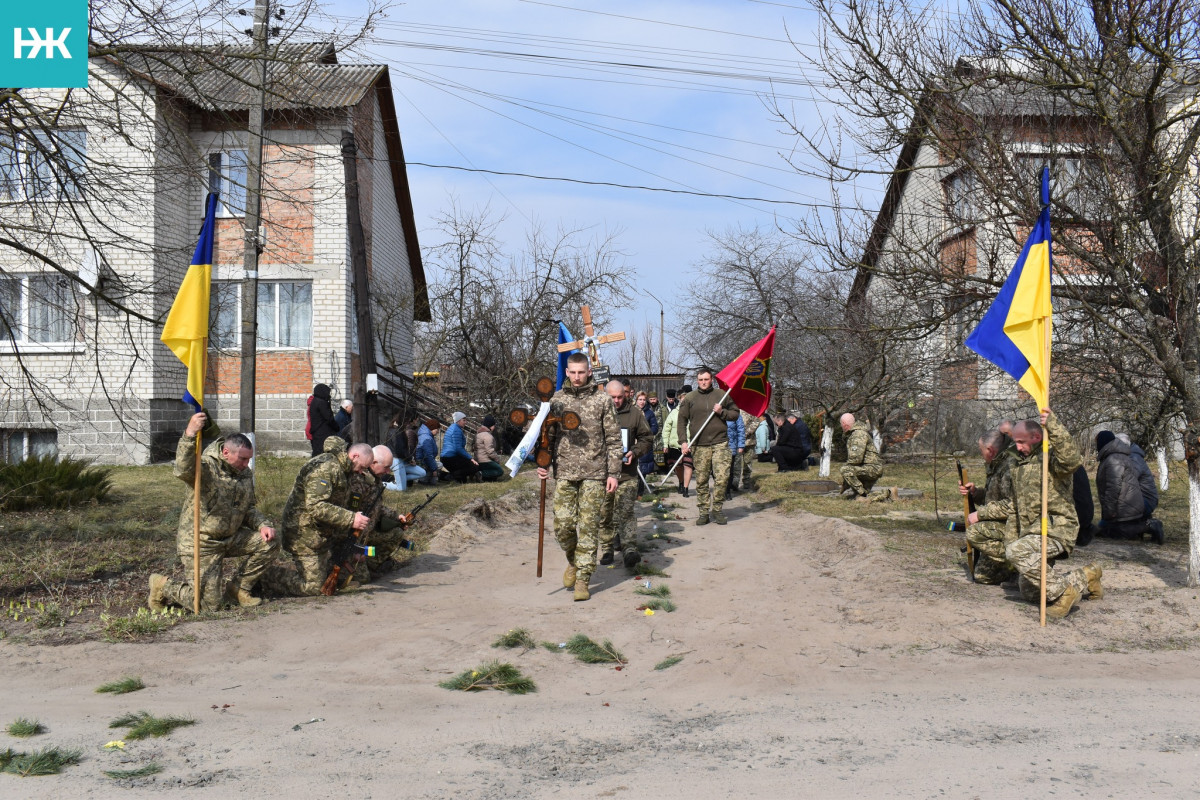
[517, 637]
[553, 647]
[668, 662]
[153, 768]
[22, 728]
[123, 686]
[143, 724]
[492, 675]
[6, 757]
[47, 761]
[658, 604]
[587, 651]
[658, 591]
[648, 570]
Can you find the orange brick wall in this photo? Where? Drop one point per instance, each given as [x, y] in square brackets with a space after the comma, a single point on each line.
[958, 255]
[960, 380]
[277, 373]
[287, 211]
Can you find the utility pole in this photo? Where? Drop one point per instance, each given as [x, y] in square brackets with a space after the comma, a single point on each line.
[662, 359]
[254, 150]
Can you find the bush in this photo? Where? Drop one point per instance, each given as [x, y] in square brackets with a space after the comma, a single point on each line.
[47, 482]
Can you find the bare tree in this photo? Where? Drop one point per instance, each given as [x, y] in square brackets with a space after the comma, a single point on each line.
[640, 351]
[971, 105]
[495, 312]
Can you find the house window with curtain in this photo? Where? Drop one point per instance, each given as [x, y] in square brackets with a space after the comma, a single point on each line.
[227, 177]
[38, 309]
[284, 315]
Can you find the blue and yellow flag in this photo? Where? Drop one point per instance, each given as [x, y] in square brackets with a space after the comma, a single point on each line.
[564, 336]
[186, 328]
[1014, 334]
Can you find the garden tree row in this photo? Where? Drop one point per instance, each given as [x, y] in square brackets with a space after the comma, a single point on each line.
[975, 101]
[75, 166]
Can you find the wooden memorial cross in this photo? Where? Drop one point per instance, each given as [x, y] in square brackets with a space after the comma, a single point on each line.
[590, 344]
[569, 420]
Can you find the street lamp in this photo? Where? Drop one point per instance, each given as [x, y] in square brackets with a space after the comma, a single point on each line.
[661, 317]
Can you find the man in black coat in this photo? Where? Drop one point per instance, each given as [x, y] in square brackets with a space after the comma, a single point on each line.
[1123, 513]
[320, 418]
[793, 444]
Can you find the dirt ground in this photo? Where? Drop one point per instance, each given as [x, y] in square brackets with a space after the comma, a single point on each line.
[819, 659]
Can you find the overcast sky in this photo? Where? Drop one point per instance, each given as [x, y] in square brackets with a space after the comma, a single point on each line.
[669, 94]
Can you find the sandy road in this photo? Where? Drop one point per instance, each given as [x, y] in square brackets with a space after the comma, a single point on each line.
[814, 665]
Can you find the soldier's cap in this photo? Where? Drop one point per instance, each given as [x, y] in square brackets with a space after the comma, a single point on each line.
[653, 395]
[670, 394]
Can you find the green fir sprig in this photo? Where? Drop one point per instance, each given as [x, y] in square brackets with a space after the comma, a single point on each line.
[492, 675]
[153, 768]
[23, 728]
[668, 662]
[143, 724]
[587, 651]
[517, 637]
[123, 686]
[47, 761]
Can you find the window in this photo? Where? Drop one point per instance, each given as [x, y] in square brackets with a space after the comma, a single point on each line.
[958, 190]
[284, 315]
[16, 446]
[38, 309]
[1081, 186]
[47, 164]
[227, 177]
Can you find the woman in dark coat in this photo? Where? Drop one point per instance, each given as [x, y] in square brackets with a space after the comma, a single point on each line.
[320, 418]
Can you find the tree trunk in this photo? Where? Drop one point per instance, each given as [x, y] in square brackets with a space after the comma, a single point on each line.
[1194, 525]
[877, 438]
[826, 451]
[1164, 478]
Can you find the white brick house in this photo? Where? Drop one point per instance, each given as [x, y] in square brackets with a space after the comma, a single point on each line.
[153, 132]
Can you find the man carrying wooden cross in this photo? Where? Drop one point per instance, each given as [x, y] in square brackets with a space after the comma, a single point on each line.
[587, 462]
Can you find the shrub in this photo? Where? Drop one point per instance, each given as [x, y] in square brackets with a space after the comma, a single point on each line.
[47, 482]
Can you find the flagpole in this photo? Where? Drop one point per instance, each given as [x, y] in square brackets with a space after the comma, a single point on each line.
[711, 414]
[1045, 475]
[196, 503]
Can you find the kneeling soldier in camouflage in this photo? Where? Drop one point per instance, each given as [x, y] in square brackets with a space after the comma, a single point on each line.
[231, 526]
[1024, 550]
[617, 524]
[587, 461]
[994, 504]
[316, 514]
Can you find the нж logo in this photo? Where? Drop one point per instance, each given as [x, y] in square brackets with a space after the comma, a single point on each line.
[36, 43]
[49, 44]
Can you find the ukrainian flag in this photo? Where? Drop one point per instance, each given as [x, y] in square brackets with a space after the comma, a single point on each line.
[1014, 334]
[186, 328]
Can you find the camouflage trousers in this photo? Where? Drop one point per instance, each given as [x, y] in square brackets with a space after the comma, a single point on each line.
[617, 519]
[714, 462]
[861, 478]
[247, 545]
[303, 578]
[736, 463]
[991, 563]
[578, 509]
[1025, 554]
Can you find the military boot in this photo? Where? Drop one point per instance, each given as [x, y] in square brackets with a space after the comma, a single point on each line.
[1093, 572]
[606, 558]
[581, 589]
[1063, 605]
[247, 600]
[632, 557]
[702, 519]
[156, 601]
[719, 518]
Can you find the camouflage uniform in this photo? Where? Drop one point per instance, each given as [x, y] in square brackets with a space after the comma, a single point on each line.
[1024, 523]
[583, 460]
[384, 532]
[316, 515]
[987, 536]
[229, 523]
[751, 424]
[710, 451]
[617, 520]
[863, 466]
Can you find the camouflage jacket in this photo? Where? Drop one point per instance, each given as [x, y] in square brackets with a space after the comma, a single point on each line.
[226, 495]
[593, 450]
[1026, 472]
[318, 508]
[641, 439]
[860, 447]
[995, 500]
[751, 424]
[660, 414]
[694, 409]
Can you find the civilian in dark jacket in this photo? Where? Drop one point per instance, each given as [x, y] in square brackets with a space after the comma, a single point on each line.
[1085, 507]
[1122, 508]
[320, 418]
[343, 418]
[1145, 476]
[793, 443]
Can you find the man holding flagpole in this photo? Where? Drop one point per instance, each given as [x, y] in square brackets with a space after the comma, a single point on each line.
[1014, 334]
[219, 518]
[702, 432]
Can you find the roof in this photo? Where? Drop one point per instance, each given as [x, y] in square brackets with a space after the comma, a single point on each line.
[222, 78]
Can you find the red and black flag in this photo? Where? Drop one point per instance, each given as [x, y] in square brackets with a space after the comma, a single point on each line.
[747, 378]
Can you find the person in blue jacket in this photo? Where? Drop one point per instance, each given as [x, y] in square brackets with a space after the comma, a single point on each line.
[426, 452]
[456, 458]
